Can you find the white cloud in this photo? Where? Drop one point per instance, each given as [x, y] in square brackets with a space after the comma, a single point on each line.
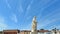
[42, 8]
[20, 8]
[2, 23]
[54, 26]
[28, 7]
[28, 26]
[54, 12]
[29, 17]
[54, 16]
[46, 22]
[14, 18]
[8, 5]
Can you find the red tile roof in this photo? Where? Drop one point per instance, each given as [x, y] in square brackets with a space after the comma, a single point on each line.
[37, 31]
[11, 31]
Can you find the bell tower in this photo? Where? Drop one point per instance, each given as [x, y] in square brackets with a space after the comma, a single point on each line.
[34, 26]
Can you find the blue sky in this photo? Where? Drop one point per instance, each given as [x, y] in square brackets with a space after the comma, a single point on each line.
[18, 14]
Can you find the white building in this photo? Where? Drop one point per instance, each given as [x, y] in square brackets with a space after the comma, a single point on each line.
[55, 31]
[44, 31]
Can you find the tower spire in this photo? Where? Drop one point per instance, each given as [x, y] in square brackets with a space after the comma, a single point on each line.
[34, 18]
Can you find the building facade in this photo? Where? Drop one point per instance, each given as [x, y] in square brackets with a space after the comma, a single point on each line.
[44, 32]
[38, 32]
[41, 31]
[55, 31]
[11, 31]
[25, 32]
